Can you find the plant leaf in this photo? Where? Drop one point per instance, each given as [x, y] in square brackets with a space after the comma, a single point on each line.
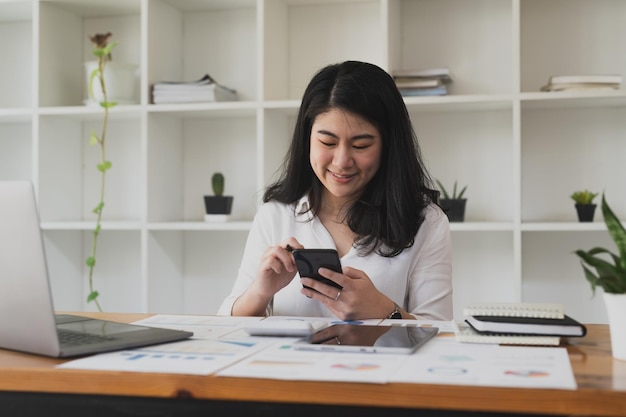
[90, 262]
[93, 139]
[616, 230]
[92, 296]
[98, 208]
[104, 166]
[443, 190]
[92, 76]
[462, 192]
[107, 49]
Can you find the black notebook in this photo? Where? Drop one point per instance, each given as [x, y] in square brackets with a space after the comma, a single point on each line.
[566, 326]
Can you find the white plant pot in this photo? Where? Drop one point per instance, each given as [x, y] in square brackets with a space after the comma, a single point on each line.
[216, 218]
[616, 311]
[120, 80]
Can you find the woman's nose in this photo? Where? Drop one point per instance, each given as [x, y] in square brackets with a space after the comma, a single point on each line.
[343, 156]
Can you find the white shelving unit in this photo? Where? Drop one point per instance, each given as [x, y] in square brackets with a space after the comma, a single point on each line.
[520, 151]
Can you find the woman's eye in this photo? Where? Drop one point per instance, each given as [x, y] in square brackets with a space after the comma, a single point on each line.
[326, 143]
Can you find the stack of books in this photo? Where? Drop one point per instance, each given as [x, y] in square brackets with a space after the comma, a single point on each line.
[518, 323]
[200, 91]
[583, 82]
[423, 82]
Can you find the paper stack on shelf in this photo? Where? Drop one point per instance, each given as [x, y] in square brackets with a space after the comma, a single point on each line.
[518, 323]
[583, 82]
[423, 82]
[200, 91]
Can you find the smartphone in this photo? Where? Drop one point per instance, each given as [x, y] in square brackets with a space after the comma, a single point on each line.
[309, 261]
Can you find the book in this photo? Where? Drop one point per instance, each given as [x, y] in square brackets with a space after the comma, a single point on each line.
[443, 73]
[566, 327]
[586, 79]
[469, 335]
[417, 82]
[514, 309]
[437, 91]
[580, 87]
[204, 89]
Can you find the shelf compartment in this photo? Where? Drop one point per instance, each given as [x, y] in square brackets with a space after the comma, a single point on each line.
[570, 149]
[191, 272]
[15, 150]
[218, 38]
[482, 269]
[64, 46]
[117, 275]
[568, 37]
[460, 146]
[472, 38]
[350, 30]
[16, 50]
[183, 154]
[69, 181]
[552, 271]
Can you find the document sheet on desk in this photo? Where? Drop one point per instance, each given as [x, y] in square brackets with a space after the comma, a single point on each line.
[220, 346]
[448, 362]
[206, 352]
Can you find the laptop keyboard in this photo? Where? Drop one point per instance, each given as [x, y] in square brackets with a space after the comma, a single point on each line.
[69, 338]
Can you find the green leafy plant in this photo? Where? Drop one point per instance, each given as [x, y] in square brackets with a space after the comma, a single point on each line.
[609, 276]
[102, 51]
[217, 182]
[583, 197]
[454, 195]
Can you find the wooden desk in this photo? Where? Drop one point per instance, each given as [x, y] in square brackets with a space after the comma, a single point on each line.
[32, 381]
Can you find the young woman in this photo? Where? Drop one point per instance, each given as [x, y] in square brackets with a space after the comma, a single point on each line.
[353, 180]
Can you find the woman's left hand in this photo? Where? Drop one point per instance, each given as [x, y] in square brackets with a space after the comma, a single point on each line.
[359, 298]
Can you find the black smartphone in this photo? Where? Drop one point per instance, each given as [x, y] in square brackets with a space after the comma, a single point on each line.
[309, 261]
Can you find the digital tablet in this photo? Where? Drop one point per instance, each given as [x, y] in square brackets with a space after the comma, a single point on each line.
[368, 339]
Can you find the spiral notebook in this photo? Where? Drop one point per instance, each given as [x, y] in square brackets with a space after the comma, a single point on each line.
[514, 309]
[518, 323]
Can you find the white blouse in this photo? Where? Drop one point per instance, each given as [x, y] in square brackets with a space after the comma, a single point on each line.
[419, 279]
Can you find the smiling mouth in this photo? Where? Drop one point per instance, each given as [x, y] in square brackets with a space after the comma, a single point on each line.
[341, 176]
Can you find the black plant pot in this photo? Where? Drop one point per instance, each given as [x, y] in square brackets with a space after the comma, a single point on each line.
[217, 207]
[585, 212]
[454, 208]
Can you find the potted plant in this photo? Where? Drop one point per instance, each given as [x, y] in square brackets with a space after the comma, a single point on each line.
[453, 204]
[585, 208]
[217, 206]
[120, 77]
[610, 275]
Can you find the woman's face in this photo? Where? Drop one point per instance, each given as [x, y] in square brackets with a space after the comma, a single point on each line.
[345, 154]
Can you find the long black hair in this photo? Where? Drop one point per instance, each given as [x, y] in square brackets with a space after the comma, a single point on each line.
[390, 211]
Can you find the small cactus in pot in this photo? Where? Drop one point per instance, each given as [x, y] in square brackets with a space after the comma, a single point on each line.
[217, 206]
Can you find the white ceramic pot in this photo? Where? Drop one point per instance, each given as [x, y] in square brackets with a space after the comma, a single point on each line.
[120, 80]
[616, 311]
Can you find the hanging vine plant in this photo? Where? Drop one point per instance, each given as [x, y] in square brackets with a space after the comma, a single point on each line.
[102, 52]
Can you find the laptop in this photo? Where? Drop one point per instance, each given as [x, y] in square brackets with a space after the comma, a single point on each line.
[27, 319]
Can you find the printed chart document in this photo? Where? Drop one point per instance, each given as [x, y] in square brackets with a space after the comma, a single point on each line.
[206, 352]
[444, 361]
[281, 361]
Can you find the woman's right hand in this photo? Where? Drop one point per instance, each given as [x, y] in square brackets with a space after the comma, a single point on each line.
[277, 268]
